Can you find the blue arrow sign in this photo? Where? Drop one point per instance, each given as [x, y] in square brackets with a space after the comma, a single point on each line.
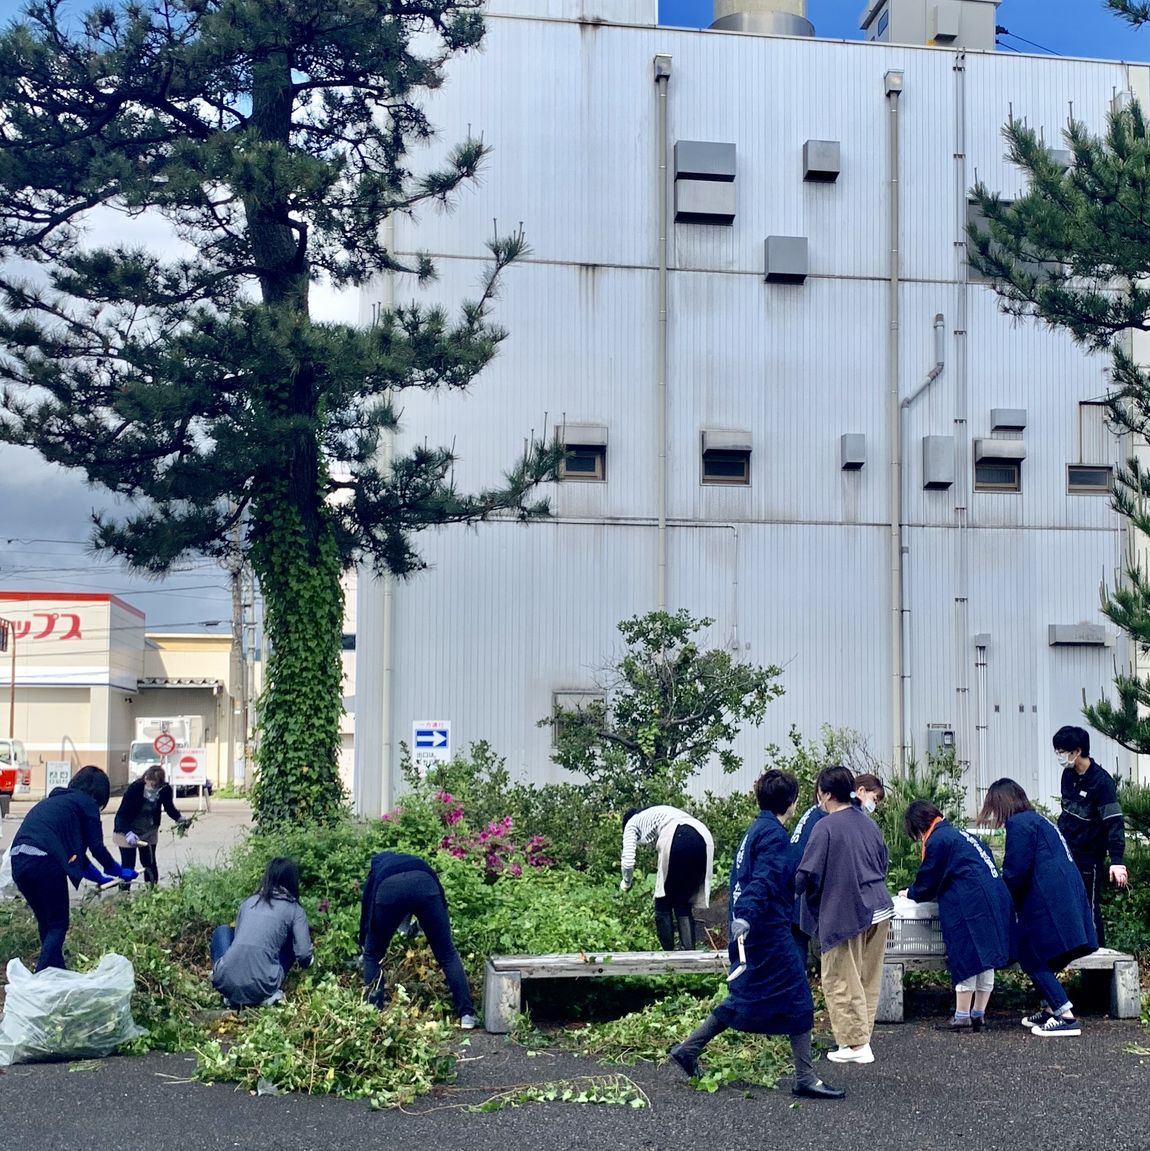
[430, 737]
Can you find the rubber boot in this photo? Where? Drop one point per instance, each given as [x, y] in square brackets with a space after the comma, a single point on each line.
[373, 981]
[686, 933]
[665, 928]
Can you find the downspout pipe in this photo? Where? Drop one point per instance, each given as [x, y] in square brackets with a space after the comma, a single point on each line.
[932, 375]
[894, 83]
[662, 82]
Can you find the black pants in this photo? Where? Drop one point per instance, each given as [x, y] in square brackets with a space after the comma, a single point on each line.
[417, 893]
[686, 871]
[1094, 875]
[147, 860]
[44, 884]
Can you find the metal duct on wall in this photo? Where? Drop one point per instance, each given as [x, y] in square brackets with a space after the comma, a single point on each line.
[779, 17]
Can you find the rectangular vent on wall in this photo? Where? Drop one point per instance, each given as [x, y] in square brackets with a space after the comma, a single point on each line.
[704, 182]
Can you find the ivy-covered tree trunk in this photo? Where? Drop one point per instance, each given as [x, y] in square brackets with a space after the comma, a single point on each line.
[273, 139]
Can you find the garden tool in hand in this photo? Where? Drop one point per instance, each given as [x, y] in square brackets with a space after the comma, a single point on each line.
[740, 929]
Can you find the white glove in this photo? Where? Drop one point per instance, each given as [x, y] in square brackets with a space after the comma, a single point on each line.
[739, 928]
[624, 885]
[1119, 875]
[131, 839]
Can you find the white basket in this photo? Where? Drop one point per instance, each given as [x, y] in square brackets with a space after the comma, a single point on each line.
[915, 937]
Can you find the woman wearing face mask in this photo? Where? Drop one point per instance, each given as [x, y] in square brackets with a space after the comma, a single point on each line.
[845, 904]
[869, 792]
[137, 825]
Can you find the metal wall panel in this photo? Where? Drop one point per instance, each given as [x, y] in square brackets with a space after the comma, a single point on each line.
[793, 569]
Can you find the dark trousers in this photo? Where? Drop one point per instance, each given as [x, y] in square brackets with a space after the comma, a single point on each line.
[44, 884]
[224, 936]
[147, 860]
[686, 871]
[415, 893]
[1094, 875]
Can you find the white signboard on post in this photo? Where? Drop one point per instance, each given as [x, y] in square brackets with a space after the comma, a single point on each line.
[57, 773]
[188, 768]
[430, 742]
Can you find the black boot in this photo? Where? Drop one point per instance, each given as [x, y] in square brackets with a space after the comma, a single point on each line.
[686, 932]
[373, 981]
[665, 928]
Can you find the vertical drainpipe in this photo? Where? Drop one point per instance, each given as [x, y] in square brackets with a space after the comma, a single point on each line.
[893, 82]
[662, 82]
[962, 447]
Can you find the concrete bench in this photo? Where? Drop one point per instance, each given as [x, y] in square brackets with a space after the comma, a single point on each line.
[1125, 990]
[504, 975]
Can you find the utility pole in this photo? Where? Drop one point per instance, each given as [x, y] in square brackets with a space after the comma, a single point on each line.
[8, 643]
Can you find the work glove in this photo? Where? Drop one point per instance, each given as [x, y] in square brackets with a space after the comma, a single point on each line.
[131, 839]
[1118, 875]
[409, 928]
[739, 928]
[627, 880]
[94, 875]
[126, 875]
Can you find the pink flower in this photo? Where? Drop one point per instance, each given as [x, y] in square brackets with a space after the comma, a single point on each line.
[445, 797]
[453, 817]
[516, 870]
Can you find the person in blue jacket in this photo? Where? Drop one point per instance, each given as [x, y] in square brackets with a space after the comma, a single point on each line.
[52, 848]
[974, 908]
[771, 996]
[1055, 922]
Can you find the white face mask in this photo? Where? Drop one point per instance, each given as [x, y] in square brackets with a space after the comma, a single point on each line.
[151, 793]
[869, 804]
[1065, 759]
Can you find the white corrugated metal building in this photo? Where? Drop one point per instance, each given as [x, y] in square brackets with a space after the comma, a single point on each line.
[1001, 628]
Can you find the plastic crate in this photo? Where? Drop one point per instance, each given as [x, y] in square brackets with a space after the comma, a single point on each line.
[922, 936]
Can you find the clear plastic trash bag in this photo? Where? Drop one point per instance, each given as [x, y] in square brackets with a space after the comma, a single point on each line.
[54, 1014]
[8, 888]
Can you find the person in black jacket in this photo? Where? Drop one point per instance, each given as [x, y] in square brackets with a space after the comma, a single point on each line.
[1091, 820]
[51, 848]
[399, 887]
[137, 826]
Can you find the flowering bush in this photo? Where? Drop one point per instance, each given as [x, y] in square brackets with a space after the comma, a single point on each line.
[493, 848]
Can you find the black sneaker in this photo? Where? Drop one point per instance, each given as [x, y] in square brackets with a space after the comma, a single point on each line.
[977, 1022]
[1056, 1026]
[684, 1062]
[956, 1026]
[1037, 1019]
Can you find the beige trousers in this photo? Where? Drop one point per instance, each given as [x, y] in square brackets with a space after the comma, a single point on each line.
[852, 979]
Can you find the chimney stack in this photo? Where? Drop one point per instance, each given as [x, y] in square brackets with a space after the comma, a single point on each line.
[778, 17]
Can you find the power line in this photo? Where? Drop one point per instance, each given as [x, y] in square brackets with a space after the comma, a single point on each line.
[1000, 31]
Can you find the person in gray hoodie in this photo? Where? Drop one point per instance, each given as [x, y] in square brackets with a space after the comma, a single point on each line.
[846, 906]
[250, 962]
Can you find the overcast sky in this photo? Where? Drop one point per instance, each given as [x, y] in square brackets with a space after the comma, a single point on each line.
[45, 513]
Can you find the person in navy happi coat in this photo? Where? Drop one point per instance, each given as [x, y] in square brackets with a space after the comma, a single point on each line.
[1055, 922]
[771, 994]
[974, 906]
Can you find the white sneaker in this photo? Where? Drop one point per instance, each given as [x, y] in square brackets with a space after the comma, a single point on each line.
[468, 1022]
[849, 1055]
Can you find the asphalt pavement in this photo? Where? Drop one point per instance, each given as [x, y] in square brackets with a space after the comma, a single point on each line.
[1004, 1090]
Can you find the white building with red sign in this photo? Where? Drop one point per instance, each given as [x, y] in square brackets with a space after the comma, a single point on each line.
[86, 670]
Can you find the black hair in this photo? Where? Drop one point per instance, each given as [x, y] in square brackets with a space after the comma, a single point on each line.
[837, 782]
[776, 791]
[1072, 739]
[92, 781]
[630, 813]
[1004, 798]
[281, 873]
[919, 815]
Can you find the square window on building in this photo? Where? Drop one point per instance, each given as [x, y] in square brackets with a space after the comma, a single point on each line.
[571, 699]
[584, 462]
[727, 466]
[998, 476]
[1089, 479]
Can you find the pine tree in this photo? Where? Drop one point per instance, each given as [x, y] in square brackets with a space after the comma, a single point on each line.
[1074, 253]
[273, 137]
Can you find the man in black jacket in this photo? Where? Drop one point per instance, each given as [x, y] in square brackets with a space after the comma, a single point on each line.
[1091, 821]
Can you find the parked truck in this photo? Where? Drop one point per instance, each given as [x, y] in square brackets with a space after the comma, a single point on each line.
[15, 773]
[186, 730]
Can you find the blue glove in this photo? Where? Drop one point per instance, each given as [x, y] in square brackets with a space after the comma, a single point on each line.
[126, 874]
[94, 874]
